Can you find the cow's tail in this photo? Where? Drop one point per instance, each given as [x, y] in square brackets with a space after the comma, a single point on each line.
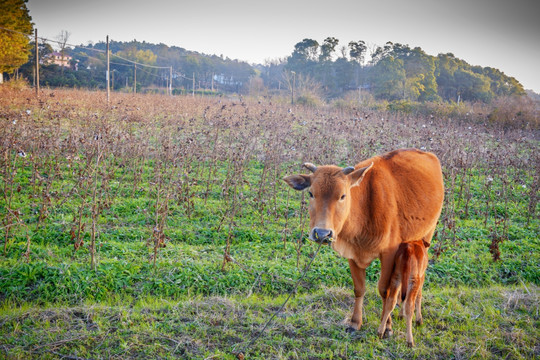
[406, 271]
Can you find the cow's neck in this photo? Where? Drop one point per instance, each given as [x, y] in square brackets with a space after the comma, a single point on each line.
[364, 222]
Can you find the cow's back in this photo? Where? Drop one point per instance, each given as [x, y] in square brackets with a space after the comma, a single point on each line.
[407, 186]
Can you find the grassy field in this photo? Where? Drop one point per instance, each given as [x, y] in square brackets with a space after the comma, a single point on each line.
[159, 227]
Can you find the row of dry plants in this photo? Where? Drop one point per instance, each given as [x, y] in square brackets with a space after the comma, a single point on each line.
[196, 148]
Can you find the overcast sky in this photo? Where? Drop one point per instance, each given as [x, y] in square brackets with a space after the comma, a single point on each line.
[503, 34]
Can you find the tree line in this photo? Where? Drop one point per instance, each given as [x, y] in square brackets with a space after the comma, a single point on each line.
[391, 72]
[87, 66]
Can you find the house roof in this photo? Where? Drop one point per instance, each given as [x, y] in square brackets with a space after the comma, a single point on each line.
[56, 53]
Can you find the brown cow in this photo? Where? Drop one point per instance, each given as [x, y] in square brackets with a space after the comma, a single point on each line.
[369, 210]
[407, 277]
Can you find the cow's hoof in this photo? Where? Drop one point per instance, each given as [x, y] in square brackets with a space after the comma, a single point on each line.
[350, 330]
[410, 344]
[387, 333]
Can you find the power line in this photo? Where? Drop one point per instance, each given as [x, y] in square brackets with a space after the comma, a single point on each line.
[159, 76]
[15, 31]
[182, 76]
[110, 62]
[72, 45]
[136, 63]
[86, 48]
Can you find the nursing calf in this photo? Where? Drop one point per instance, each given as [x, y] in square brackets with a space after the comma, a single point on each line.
[365, 212]
[407, 278]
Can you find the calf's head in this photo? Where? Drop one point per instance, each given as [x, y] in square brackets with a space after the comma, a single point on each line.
[329, 189]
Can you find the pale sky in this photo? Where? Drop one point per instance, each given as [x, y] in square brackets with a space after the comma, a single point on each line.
[504, 34]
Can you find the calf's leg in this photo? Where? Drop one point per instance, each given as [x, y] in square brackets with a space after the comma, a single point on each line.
[387, 266]
[408, 307]
[419, 319]
[389, 304]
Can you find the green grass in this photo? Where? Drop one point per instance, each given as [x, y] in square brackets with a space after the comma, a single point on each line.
[459, 322]
[191, 262]
[53, 304]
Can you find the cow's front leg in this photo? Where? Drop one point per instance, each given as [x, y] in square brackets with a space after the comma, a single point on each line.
[359, 280]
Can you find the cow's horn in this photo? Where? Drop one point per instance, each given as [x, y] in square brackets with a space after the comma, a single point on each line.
[348, 170]
[310, 167]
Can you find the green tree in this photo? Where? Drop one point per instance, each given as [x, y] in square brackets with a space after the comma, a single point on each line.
[140, 56]
[345, 73]
[328, 48]
[27, 70]
[388, 78]
[447, 64]
[304, 57]
[14, 49]
[357, 52]
[472, 86]
[501, 84]
[382, 52]
[420, 73]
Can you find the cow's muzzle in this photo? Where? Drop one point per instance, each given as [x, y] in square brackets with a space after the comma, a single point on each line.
[324, 236]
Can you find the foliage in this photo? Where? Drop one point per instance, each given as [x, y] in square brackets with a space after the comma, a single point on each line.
[395, 72]
[140, 56]
[388, 79]
[89, 65]
[14, 46]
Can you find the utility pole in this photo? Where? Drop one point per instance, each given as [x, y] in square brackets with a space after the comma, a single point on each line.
[293, 86]
[135, 78]
[170, 80]
[108, 68]
[37, 66]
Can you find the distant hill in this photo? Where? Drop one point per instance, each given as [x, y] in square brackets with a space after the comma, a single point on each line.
[87, 68]
[392, 72]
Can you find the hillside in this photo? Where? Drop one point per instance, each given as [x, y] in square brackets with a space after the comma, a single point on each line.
[390, 72]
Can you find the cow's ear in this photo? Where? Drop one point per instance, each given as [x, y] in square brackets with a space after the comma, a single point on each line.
[358, 175]
[298, 182]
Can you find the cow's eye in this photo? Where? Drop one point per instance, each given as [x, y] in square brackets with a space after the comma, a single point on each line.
[342, 197]
[310, 194]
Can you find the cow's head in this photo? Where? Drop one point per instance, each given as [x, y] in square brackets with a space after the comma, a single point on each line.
[329, 189]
